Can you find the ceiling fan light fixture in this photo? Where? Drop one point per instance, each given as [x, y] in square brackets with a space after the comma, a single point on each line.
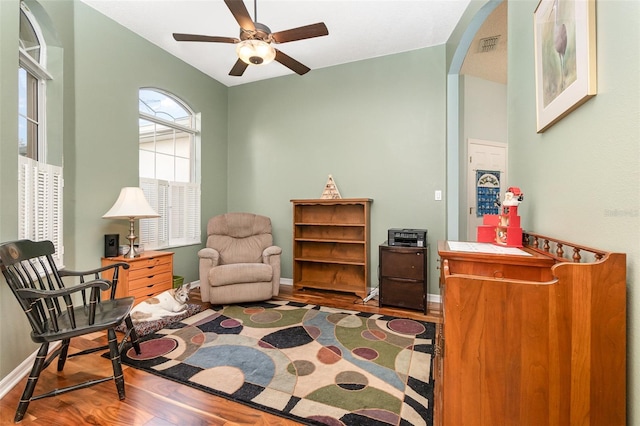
[255, 52]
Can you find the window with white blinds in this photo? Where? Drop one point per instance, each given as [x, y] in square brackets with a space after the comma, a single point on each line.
[168, 170]
[40, 204]
[178, 205]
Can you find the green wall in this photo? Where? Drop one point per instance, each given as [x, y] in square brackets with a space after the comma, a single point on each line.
[14, 330]
[581, 177]
[111, 64]
[377, 126]
[104, 66]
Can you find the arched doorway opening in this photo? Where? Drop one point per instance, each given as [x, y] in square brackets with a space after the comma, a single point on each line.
[468, 69]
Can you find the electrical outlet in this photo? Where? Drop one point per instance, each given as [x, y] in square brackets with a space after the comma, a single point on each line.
[438, 195]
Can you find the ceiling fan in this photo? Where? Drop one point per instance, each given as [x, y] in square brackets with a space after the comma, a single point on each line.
[254, 47]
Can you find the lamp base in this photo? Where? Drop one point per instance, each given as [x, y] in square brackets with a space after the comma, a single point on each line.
[133, 253]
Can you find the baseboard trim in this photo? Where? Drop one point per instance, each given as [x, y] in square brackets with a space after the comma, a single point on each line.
[18, 373]
[434, 298]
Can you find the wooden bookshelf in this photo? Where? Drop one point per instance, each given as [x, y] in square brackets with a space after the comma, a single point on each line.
[331, 244]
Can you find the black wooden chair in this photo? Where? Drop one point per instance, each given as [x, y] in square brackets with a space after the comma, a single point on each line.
[37, 284]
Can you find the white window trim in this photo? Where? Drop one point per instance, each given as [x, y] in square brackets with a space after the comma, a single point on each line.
[42, 113]
[38, 70]
[41, 41]
[30, 64]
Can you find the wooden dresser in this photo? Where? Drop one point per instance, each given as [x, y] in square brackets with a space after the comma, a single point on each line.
[149, 274]
[533, 339]
[331, 244]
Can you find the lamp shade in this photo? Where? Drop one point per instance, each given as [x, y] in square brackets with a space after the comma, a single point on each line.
[130, 203]
[255, 52]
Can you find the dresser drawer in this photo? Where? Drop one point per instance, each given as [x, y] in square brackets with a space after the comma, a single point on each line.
[403, 293]
[144, 293]
[402, 263]
[166, 277]
[149, 271]
[144, 286]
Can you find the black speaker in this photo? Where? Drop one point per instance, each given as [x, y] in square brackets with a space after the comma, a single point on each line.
[111, 244]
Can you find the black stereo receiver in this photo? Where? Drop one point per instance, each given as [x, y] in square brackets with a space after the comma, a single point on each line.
[407, 237]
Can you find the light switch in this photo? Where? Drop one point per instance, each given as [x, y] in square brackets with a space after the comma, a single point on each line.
[438, 195]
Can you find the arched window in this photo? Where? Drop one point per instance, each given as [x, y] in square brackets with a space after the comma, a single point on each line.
[169, 169]
[40, 183]
[32, 78]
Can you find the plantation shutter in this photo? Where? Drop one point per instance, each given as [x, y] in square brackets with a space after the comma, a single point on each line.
[163, 211]
[148, 228]
[185, 213]
[40, 201]
[176, 230]
[178, 224]
[192, 218]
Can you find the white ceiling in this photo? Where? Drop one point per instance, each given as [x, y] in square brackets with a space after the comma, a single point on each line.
[358, 29]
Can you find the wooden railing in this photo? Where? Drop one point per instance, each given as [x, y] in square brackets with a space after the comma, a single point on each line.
[557, 248]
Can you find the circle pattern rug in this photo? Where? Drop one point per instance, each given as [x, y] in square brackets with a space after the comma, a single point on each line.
[313, 364]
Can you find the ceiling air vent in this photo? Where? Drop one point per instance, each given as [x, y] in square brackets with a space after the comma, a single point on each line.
[488, 44]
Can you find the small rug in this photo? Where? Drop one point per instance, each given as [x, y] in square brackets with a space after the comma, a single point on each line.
[144, 328]
[309, 363]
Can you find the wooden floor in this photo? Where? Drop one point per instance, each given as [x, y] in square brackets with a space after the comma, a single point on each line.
[152, 400]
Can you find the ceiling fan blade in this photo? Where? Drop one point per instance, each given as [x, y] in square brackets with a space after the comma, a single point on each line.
[196, 37]
[238, 68]
[300, 33]
[240, 12]
[291, 63]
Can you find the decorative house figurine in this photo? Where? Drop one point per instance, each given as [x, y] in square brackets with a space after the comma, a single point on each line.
[503, 228]
[331, 190]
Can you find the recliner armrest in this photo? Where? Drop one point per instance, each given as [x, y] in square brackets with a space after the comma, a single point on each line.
[270, 251]
[210, 254]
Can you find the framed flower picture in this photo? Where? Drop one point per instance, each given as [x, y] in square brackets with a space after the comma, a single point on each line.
[565, 58]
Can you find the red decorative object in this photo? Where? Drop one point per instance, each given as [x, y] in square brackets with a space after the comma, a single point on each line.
[503, 228]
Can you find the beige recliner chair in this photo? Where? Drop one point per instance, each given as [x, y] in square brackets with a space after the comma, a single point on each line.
[240, 262]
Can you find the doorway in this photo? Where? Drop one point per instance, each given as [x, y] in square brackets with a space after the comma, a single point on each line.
[472, 40]
[486, 180]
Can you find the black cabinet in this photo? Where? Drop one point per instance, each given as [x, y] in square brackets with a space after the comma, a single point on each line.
[403, 277]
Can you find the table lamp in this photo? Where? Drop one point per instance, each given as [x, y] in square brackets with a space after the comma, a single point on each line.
[132, 205]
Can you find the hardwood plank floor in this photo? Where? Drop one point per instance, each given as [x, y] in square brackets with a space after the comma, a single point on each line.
[151, 400]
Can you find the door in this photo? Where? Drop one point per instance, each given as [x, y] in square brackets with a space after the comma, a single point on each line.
[486, 180]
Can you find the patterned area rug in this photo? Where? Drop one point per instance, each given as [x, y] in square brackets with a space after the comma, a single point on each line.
[310, 363]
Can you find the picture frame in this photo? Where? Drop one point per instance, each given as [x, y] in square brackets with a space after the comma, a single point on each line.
[565, 58]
